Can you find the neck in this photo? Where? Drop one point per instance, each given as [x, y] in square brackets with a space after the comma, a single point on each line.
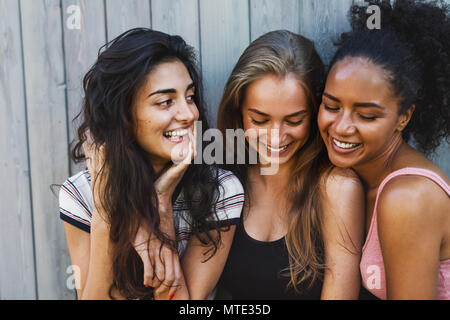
[373, 172]
[274, 183]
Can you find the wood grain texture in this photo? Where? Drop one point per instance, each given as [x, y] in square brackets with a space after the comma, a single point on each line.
[124, 15]
[269, 15]
[81, 49]
[224, 36]
[17, 269]
[166, 17]
[47, 128]
[323, 21]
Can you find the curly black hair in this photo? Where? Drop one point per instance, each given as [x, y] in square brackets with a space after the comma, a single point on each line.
[413, 47]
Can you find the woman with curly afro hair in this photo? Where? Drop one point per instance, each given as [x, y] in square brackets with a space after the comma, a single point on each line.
[385, 87]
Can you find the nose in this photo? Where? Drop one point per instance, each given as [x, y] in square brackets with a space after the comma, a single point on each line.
[276, 134]
[186, 112]
[344, 125]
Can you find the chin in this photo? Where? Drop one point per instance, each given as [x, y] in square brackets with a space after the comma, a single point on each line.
[340, 161]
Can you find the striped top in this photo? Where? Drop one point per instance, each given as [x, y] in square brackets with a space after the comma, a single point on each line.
[76, 204]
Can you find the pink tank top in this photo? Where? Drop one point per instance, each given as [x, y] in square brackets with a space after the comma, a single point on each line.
[372, 266]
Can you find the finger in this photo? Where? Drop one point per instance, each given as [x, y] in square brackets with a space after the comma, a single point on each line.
[195, 139]
[169, 275]
[178, 276]
[148, 268]
[158, 267]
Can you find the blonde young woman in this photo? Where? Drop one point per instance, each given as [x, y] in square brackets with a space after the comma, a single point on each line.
[301, 230]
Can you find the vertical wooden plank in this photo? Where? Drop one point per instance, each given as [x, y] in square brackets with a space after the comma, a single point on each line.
[46, 111]
[323, 21]
[224, 36]
[17, 269]
[177, 17]
[81, 48]
[269, 15]
[124, 15]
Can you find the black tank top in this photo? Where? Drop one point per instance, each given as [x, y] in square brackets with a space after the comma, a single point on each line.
[253, 271]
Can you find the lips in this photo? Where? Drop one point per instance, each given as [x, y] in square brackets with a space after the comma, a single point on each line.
[341, 146]
[176, 135]
[280, 150]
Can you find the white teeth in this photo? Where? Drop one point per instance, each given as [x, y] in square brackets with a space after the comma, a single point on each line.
[176, 133]
[275, 149]
[344, 145]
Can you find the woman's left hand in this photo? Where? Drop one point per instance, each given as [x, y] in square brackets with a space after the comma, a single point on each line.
[162, 268]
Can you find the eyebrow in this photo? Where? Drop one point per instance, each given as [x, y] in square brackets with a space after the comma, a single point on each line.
[165, 91]
[358, 104]
[288, 116]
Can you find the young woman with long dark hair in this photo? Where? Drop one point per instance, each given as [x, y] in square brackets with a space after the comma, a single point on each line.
[142, 205]
[301, 230]
[383, 88]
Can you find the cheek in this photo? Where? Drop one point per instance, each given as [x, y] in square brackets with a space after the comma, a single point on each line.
[151, 124]
[324, 120]
[195, 112]
[302, 132]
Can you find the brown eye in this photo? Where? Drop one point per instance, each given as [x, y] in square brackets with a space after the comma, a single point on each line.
[165, 103]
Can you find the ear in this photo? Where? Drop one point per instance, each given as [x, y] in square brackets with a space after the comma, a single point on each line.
[405, 118]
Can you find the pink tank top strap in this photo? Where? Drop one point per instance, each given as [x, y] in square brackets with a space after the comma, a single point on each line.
[416, 172]
[402, 172]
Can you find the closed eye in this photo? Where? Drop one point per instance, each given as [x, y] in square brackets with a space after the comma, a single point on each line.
[327, 107]
[294, 123]
[259, 122]
[367, 118]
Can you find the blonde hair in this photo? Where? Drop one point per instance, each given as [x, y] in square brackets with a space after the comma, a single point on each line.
[283, 53]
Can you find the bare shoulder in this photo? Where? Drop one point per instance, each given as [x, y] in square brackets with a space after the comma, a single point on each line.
[412, 200]
[342, 195]
[340, 183]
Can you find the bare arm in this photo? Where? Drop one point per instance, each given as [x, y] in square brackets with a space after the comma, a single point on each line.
[343, 230]
[410, 227]
[202, 277]
[91, 254]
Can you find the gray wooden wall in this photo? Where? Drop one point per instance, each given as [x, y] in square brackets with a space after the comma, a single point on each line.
[42, 63]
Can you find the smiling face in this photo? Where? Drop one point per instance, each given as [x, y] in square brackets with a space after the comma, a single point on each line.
[359, 116]
[164, 110]
[273, 104]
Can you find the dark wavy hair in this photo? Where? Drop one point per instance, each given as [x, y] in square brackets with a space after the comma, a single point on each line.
[110, 87]
[413, 47]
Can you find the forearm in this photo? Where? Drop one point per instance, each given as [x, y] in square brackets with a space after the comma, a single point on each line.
[167, 227]
[202, 276]
[166, 218]
[100, 275]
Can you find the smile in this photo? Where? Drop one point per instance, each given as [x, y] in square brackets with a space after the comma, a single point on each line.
[176, 135]
[345, 145]
[281, 149]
